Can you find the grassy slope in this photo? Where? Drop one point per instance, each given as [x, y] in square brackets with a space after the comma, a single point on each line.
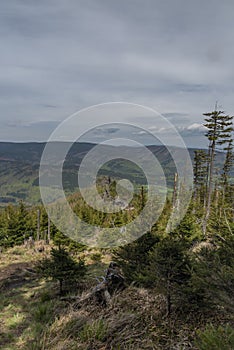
[34, 318]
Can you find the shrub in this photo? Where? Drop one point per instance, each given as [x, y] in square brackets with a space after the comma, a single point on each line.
[221, 338]
[96, 330]
[61, 267]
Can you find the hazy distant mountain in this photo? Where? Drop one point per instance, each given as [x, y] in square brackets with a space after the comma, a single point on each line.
[19, 165]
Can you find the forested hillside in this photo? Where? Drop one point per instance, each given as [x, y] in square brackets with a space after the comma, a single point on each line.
[19, 168]
[169, 289]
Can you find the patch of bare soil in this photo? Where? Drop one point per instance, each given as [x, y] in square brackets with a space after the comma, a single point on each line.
[16, 275]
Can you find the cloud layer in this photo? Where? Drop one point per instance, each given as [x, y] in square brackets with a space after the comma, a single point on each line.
[59, 56]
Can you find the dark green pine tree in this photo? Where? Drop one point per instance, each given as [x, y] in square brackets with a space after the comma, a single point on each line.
[61, 240]
[170, 270]
[227, 167]
[219, 132]
[4, 242]
[17, 224]
[63, 268]
[189, 229]
[134, 258]
[23, 228]
[200, 175]
[212, 281]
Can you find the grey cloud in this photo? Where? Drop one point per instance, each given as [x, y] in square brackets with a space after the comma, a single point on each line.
[112, 130]
[172, 56]
[177, 117]
[22, 131]
[106, 130]
[24, 124]
[170, 115]
[49, 106]
[47, 123]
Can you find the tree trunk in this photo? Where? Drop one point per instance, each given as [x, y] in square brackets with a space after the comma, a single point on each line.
[169, 298]
[38, 224]
[48, 230]
[60, 287]
[175, 190]
[209, 186]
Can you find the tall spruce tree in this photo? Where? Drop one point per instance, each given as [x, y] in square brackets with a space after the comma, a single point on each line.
[219, 132]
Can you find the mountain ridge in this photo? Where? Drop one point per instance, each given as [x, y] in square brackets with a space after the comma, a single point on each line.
[19, 167]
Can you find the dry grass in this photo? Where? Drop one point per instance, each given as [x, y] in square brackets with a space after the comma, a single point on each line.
[32, 317]
[21, 254]
[135, 319]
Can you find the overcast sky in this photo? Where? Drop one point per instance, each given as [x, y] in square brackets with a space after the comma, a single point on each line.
[58, 56]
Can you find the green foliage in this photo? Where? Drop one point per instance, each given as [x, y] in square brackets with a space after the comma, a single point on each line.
[61, 267]
[200, 174]
[189, 229]
[170, 269]
[212, 281]
[134, 258]
[60, 239]
[228, 164]
[219, 132]
[96, 330]
[222, 275]
[212, 338]
[96, 257]
[219, 127]
[14, 225]
[43, 312]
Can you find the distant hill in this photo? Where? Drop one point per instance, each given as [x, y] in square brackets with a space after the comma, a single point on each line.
[19, 166]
